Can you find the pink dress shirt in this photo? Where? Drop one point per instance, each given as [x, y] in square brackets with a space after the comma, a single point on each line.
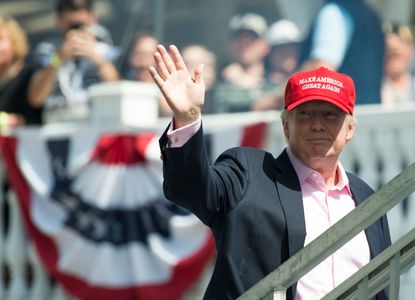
[178, 137]
[323, 206]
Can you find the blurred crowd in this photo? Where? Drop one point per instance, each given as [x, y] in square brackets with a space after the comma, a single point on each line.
[344, 35]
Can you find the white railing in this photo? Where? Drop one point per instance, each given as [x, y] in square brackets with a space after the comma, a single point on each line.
[21, 275]
[383, 145]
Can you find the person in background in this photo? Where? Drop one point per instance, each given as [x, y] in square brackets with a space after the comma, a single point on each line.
[347, 36]
[194, 55]
[243, 82]
[141, 57]
[15, 75]
[263, 209]
[398, 85]
[83, 55]
[284, 39]
[139, 60]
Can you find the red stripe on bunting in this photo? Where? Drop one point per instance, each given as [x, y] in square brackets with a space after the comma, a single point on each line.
[122, 149]
[183, 275]
[254, 135]
[8, 150]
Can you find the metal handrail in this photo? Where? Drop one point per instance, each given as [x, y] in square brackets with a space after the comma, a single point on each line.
[374, 276]
[275, 284]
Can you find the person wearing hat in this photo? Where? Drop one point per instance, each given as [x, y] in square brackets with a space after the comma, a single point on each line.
[262, 210]
[243, 81]
[283, 38]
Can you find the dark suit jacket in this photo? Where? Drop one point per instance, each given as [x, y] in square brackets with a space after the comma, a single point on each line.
[253, 205]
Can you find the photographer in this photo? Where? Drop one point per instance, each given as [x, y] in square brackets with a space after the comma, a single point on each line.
[82, 56]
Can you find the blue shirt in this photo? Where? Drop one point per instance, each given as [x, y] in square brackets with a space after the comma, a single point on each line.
[333, 34]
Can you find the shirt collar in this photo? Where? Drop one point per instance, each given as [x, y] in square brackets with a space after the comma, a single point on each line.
[304, 172]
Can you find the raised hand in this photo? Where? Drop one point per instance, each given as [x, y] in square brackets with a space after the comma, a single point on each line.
[81, 43]
[184, 92]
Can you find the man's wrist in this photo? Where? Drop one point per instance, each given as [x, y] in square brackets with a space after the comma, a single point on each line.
[190, 117]
[179, 136]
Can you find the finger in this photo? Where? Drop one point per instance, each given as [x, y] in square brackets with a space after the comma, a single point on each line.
[156, 77]
[159, 82]
[164, 73]
[198, 73]
[166, 59]
[177, 58]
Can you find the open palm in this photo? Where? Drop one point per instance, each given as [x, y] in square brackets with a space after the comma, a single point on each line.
[184, 92]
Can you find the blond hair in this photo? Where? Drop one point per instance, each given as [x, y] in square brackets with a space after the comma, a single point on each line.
[403, 31]
[18, 38]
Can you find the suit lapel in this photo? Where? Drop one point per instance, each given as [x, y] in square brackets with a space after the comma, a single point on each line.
[289, 192]
[374, 231]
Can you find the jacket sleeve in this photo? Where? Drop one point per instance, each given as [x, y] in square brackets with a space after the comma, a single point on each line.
[208, 191]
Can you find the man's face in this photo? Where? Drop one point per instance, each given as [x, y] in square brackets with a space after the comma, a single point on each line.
[317, 131]
[68, 18]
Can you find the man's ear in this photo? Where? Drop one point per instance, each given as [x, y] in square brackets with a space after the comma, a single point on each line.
[351, 127]
[285, 127]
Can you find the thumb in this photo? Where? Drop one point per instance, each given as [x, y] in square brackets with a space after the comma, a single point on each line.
[198, 73]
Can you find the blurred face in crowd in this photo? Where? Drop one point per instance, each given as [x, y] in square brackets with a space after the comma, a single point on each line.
[142, 57]
[196, 55]
[247, 48]
[399, 55]
[283, 58]
[317, 131]
[68, 18]
[6, 47]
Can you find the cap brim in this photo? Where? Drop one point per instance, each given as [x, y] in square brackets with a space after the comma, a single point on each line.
[283, 43]
[245, 29]
[319, 98]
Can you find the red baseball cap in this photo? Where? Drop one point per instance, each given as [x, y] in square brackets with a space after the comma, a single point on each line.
[320, 84]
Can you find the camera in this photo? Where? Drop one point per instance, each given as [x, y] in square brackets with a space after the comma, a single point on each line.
[75, 26]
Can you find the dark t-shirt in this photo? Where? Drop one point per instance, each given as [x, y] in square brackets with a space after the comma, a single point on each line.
[13, 97]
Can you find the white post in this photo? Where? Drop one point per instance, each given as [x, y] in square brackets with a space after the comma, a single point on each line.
[40, 288]
[279, 295]
[407, 141]
[15, 252]
[387, 144]
[364, 150]
[58, 293]
[1, 230]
